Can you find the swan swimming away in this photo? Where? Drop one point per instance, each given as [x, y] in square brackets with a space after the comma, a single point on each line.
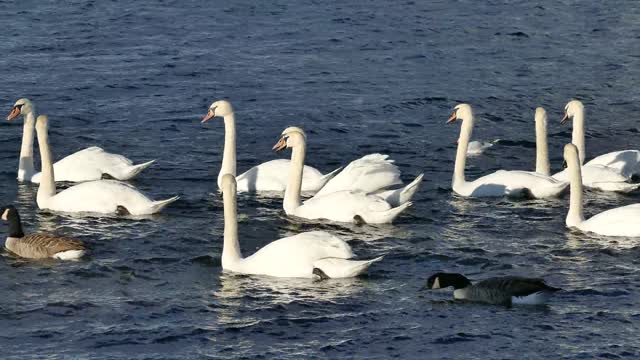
[98, 196]
[268, 176]
[621, 221]
[315, 254]
[343, 206]
[92, 163]
[501, 182]
[38, 246]
[504, 290]
[609, 172]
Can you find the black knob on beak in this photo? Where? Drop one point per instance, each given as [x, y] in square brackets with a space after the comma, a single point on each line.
[564, 164]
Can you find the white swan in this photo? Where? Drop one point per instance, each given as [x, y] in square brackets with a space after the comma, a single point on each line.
[609, 172]
[342, 206]
[268, 176]
[621, 221]
[501, 182]
[92, 163]
[99, 196]
[307, 255]
[626, 162]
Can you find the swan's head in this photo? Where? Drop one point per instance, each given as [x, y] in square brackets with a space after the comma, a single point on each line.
[21, 107]
[443, 280]
[42, 122]
[291, 137]
[570, 155]
[541, 115]
[461, 112]
[219, 108]
[228, 183]
[572, 108]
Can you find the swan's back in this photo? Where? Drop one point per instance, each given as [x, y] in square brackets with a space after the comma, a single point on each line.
[101, 196]
[341, 206]
[368, 174]
[294, 256]
[621, 221]
[273, 176]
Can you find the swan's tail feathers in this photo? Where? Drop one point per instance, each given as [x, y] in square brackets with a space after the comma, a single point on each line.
[400, 196]
[335, 268]
[385, 217]
[326, 177]
[617, 186]
[133, 171]
[157, 206]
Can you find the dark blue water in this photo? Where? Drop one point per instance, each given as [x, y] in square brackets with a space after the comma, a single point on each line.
[360, 77]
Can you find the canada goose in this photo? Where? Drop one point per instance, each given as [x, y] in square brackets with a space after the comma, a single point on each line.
[505, 290]
[38, 246]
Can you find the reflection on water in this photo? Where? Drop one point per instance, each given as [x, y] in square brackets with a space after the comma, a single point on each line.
[239, 294]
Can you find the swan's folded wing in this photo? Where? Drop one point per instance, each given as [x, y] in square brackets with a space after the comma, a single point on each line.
[294, 256]
[368, 174]
[621, 221]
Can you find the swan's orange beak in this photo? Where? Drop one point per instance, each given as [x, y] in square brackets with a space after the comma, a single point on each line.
[14, 112]
[565, 118]
[209, 116]
[453, 118]
[280, 145]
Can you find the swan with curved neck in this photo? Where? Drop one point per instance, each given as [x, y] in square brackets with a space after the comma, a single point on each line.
[501, 182]
[308, 255]
[92, 163]
[342, 206]
[98, 196]
[268, 176]
[609, 172]
[625, 162]
[621, 221]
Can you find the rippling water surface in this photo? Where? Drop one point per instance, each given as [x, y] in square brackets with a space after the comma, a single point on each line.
[360, 77]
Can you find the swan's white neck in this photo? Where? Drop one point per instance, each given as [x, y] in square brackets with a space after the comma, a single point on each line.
[229, 154]
[231, 254]
[25, 167]
[577, 136]
[47, 188]
[575, 216]
[466, 130]
[294, 183]
[542, 149]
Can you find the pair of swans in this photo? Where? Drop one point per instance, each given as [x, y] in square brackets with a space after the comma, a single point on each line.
[501, 182]
[339, 205]
[92, 163]
[98, 196]
[315, 254]
[621, 221]
[372, 173]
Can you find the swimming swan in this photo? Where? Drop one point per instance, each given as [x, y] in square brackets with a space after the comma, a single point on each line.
[609, 172]
[626, 162]
[501, 182]
[268, 176]
[92, 163]
[99, 196]
[308, 255]
[621, 221]
[343, 206]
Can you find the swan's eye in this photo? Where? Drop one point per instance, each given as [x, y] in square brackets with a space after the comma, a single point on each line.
[19, 106]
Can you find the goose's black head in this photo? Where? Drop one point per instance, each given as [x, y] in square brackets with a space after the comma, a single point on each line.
[10, 215]
[444, 280]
